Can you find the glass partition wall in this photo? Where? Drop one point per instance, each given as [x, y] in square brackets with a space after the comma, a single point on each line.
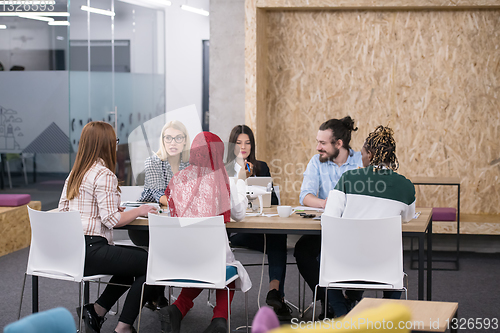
[116, 69]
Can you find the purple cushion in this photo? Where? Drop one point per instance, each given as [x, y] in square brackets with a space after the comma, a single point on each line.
[265, 320]
[444, 214]
[13, 200]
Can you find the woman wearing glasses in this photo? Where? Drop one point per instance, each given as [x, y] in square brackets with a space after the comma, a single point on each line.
[172, 157]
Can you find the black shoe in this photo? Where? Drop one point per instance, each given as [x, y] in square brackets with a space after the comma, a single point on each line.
[93, 322]
[158, 304]
[274, 300]
[170, 319]
[218, 325]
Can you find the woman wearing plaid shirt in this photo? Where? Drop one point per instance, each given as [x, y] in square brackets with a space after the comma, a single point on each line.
[92, 189]
[172, 157]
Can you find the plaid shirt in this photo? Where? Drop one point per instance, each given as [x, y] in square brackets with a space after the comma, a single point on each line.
[158, 175]
[97, 201]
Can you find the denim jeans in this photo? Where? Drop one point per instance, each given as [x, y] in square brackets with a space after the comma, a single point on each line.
[276, 252]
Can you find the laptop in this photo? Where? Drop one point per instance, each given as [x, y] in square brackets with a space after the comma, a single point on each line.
[261, 181]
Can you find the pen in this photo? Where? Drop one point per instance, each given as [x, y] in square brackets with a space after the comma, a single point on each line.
[248, 167]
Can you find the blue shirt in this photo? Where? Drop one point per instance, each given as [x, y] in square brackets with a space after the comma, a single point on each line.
[320, 178]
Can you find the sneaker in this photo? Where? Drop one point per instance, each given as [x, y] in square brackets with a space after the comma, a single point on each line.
[275, 300]
[218, 325]
[170, 319]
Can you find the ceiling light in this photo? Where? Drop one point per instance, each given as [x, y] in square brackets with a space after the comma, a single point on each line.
[59, 23]
[97, 11]
[38, 18]
[195, 10]
[155, 4]
[3, 26]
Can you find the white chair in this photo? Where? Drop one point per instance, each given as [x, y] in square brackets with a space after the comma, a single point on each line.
[57, 250]
[188, 253]
[361, 250]
[131, 193]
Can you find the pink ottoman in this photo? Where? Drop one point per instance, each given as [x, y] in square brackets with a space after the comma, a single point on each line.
[444, 214]
[14, 200]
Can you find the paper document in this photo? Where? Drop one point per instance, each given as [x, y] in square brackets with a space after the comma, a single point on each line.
[305, 208]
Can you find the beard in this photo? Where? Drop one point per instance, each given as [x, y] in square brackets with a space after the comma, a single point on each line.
[329, 157]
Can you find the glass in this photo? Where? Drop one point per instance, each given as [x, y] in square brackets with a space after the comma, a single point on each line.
[178, 138]
[117, 74]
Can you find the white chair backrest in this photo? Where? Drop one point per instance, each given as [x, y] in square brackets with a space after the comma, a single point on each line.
[131, 193]
[57, 245]
[187, 249]
[368, 250]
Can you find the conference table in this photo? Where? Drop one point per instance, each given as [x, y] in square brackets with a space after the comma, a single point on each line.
[420, 228]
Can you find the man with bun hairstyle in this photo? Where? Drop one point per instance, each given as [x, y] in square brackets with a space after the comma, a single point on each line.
[322, 174]
[335, 157]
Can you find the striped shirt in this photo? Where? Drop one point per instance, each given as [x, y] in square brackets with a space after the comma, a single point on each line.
[97, 201]
[158, 175]
[369, 193]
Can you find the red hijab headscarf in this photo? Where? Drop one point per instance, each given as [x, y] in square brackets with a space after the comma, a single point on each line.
[202, 189]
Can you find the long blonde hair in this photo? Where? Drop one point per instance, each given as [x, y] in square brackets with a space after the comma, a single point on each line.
[98, 140]
[162, 152]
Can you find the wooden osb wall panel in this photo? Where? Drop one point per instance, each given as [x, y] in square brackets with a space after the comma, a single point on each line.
[433, 76]
[342, 4]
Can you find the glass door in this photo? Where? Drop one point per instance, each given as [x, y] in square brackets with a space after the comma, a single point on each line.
[117, 71]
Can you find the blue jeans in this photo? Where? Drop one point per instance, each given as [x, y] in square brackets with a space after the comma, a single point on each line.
[276, 252]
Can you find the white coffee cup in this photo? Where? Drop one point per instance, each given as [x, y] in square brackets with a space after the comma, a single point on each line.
[285, 211]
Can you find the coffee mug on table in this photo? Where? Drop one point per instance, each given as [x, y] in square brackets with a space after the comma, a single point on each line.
[285, 211]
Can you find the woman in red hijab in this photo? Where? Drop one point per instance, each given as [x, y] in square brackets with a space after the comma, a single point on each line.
[202, 190]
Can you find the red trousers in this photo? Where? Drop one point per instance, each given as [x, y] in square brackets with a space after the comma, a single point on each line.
[185, 300]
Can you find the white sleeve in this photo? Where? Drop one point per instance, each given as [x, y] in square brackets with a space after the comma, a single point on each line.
[239, 201]
[408, 213]
[335, 203]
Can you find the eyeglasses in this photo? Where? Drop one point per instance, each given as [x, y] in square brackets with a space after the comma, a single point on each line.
[178, 138]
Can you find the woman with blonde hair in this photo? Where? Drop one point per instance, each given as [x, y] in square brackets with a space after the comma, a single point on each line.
[92, 189]
[172, 157]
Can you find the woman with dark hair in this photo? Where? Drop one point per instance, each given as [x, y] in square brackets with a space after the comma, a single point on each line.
[202, 190]
[241, 163]
[92, 189]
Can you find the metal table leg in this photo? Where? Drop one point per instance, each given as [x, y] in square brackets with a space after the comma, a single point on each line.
[421, 266]
[34, 293]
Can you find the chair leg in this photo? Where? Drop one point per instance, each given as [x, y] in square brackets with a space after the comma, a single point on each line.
[8, 173]
[246, 309]
[82, 286]
[140, 309]
[23, 160]
[314, 303]
[228, 310]
[22, 294]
